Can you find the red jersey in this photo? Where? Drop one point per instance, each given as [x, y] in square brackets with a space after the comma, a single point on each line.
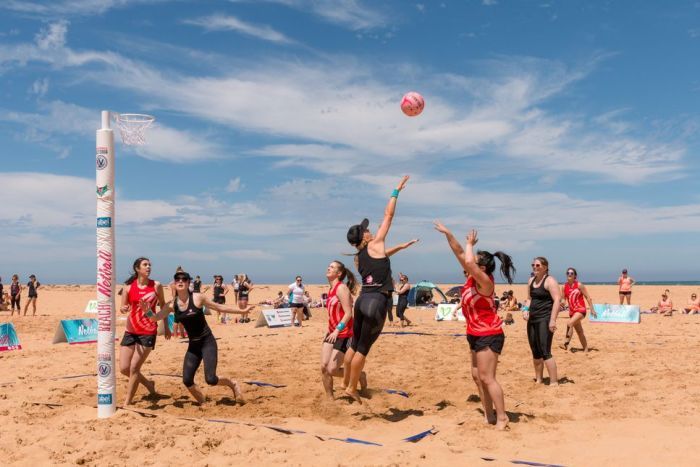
[479, 311]
[138, 323]
[336, 313]
[574, 297]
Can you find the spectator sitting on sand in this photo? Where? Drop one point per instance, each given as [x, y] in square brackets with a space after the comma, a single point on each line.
[511, 302]
[693, 306]
[665, 305]
[280, 301]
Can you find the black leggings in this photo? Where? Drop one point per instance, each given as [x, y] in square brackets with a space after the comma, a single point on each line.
[202, 349]
[401, 306]
[540, 338]
[15, 301]
[370, 313]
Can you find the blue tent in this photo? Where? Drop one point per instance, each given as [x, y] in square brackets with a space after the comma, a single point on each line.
[425, 292]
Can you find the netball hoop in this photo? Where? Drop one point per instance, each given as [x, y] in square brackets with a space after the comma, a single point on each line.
[132, 128]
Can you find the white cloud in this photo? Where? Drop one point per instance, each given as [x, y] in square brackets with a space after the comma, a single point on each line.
[353, 14]
[53, 36]
[231, 23]
[234, 185]
[40, 87]
[55, 8]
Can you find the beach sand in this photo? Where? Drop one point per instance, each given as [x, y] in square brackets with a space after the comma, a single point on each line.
[633, 400]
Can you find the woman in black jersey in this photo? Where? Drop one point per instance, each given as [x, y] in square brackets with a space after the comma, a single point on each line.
[245, 285]
[372, 261]
[402, 291]
[15, 294]
[188, 308]
[544, 296]
[33, 285]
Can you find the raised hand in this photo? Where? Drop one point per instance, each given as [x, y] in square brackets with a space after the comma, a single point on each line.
[440, 227]
[403, 182]
[472, 237]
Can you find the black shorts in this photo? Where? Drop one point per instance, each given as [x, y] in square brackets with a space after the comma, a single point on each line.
[628, 292]
[296, 305]
[146, 340]
[494, 342]
[220, 300]
[341, 344]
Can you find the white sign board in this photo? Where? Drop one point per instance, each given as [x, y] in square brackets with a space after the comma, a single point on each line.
[274, 318]
[91, 306]
[445, 312]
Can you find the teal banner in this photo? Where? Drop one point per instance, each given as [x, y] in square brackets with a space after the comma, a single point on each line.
[8, 338]
[76, 331]
[608, 313]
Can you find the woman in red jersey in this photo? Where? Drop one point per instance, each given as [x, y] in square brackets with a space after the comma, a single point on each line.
[484, 327]
[575, 292]
[140, 335]
[336, 344]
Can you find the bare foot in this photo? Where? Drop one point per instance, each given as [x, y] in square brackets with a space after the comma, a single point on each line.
[237, 394]
[363, 381]
[354, 395]
[539, 381]
[502, 424]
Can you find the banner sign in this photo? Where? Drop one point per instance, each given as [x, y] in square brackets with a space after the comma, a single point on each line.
[8, 338]
[274, 318]
[76, 331]
[608, 313]
[91, 306]
[446, 312]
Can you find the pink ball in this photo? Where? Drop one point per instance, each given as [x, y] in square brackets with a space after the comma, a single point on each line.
[412, 104]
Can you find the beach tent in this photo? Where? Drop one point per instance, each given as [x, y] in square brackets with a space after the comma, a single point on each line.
[424, 292]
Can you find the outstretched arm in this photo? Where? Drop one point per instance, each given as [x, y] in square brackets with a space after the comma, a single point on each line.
[402, 246]
[223, 308]
[389, 212]
[453, 242]
[481, 278]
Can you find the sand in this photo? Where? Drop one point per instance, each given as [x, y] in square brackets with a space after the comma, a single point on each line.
[633, 400]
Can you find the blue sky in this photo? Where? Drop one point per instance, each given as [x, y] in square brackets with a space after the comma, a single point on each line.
[559, 128]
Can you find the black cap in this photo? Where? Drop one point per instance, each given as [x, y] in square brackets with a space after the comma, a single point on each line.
[624, 270]
[356, 231]
[183, 275]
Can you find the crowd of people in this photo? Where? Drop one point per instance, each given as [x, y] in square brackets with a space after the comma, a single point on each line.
[358, 308]
[11, 300]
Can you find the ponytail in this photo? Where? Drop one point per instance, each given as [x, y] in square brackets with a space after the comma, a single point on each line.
[486, 259]
[346, 273]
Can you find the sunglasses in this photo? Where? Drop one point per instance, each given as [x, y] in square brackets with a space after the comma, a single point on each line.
[536, 265]
[570, 273]
[181, 279]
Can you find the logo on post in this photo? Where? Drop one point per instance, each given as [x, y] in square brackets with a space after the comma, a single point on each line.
[104, 399]
[101, 162]
[104, 369]
[104, 222]
[102, 190]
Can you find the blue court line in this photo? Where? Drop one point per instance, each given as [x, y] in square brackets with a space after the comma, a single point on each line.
[521, 462]
[396, 391]
[74, 376]
[261, 383]
[356, 441]
[420, 436]
[169, 375]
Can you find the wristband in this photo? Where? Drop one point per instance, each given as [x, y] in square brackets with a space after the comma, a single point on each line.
[525, 308]
[340, 326]
[395, 193]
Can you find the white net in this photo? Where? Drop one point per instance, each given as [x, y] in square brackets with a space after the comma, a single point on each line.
[132, 127]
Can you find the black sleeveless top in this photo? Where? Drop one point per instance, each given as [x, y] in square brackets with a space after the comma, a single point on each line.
[218, 290]
[375, 273]
[242, 290]
[197, 286]
[541, 302]
[192, 319]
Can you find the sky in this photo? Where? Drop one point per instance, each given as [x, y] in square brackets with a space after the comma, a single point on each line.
[564, 129]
